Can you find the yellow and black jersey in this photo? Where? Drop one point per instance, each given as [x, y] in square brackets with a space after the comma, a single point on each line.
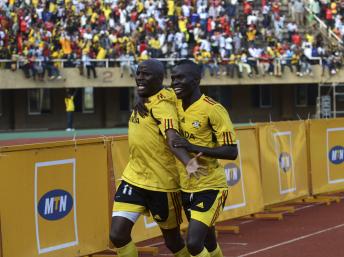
[205, 123]
[151, 164]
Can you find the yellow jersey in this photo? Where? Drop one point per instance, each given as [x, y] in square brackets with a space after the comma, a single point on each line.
[170, 8]
[151, 164]
[205, 123]
[69, 101]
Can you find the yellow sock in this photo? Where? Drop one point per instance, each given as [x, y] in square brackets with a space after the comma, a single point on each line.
[204, 253]
[217, 252]
[128, 250]
[182, 253]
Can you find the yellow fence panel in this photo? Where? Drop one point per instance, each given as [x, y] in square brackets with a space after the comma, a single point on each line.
[243, 178]
[327, 155]
[0, 238]
[284, 161]
[145, 227]
[54, 199]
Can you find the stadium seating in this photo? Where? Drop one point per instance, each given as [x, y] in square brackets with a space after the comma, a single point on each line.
[229, 38]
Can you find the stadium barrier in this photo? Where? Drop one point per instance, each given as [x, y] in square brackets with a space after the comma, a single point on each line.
[54, 199]
[243, 177]
[145, 228]
[284, 161]
[327, 155]
[0, 238]
[67, 188]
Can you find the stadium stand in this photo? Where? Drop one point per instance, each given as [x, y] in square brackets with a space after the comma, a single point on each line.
[274, 55]
[224, 37]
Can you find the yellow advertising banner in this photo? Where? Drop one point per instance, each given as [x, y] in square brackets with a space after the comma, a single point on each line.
[284, 161]
[54, 199]
[243, 178]
[245, 192]
[145, 228]
[0, 238]
[327, 155]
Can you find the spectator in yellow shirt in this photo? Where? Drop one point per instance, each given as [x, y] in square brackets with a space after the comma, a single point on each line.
[182, 24]
[251, 34]
[70, 108]
[207, 59]
[154, 45]
[143, 56]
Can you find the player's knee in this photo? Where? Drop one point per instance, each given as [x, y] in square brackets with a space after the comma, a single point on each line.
[174, 245]
[211, 245]
[119, 238]
[194, 245]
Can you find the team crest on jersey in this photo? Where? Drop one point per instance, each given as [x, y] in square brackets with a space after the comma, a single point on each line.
[196, 124]
[161, 96]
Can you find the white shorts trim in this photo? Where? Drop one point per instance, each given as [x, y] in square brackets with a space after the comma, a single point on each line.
[132, 216]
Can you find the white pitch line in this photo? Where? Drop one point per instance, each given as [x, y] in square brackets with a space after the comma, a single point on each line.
[156, 244]
[296, 209]
[244, 222]
[234, 243]
[292, 240]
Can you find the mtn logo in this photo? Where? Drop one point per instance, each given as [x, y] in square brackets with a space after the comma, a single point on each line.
[336, 155]
[55, 204]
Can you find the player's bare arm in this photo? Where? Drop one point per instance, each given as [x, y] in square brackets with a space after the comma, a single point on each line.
[192, 166]
[228, 152]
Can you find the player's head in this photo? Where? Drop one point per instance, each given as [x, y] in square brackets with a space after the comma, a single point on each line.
[186, 77]
[69, 92]
[149, 77]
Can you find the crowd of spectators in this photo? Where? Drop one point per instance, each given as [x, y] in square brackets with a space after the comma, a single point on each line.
[331, 12]
[229, 37]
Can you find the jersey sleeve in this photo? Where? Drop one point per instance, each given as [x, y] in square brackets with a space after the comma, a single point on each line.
[165, 113]
[222, 125]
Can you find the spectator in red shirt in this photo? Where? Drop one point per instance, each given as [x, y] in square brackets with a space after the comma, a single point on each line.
[329, 17]
[247, 6]
[296, 39]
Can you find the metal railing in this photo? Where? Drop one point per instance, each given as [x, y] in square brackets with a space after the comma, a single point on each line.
[322, 24]
[107, 63]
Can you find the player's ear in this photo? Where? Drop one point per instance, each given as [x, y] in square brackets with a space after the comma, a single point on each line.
[196, 82]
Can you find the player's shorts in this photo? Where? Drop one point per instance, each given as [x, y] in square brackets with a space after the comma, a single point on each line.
[204, 206]
[165, 207]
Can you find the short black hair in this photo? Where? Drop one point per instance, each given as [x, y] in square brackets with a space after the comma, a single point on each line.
[156, 66]
[195, 69]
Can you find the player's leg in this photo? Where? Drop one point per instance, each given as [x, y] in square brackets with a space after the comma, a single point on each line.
[166, 211]
[120, 236]
[202, 209]
[197, 233]
[128, 206]
[174, 242]
[211, 243]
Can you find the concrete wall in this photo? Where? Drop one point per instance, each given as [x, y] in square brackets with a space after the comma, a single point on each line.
[106, 114]
[236, 94]
[7, 109]
[110, 77]
[113, 105]
[242, 105]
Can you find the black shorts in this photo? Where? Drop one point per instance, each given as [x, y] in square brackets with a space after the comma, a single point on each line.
[204, 206]
[165, 207]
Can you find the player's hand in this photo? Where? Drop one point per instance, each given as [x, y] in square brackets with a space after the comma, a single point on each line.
[181, 142]
[140, 107]
[193, 168]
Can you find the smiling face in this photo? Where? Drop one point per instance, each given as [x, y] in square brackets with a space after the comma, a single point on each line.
[149, 77]
[185, 79]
